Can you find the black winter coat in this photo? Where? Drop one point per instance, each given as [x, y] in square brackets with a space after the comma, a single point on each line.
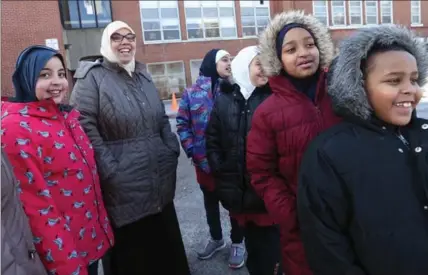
[226, 136]
[363, 200]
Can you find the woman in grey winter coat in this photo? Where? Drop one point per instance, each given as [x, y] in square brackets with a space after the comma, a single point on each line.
[363, 189]
[137, 156]
[18, 254]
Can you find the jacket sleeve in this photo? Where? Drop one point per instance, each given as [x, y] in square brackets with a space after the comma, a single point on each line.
[212, 137]
[184, 125]
[324, 212]
[85, 98]
[55, 245]
[168, 137]
[262, 165]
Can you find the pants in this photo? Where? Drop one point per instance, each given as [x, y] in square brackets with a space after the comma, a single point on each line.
[93, 269]
[264, 249]
[151, 245]
[212, 209]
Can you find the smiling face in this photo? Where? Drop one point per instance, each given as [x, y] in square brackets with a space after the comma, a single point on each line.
[257, 76]
[52, 82]
[391, 86]
[223, 67]
[123, 45]
[300, 56]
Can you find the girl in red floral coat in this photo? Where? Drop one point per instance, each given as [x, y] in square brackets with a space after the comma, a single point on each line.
[54, 163]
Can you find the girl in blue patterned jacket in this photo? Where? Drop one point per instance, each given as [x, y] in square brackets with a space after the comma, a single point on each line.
[192, 119]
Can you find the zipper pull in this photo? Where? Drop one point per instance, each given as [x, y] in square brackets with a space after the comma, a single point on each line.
[32, 254]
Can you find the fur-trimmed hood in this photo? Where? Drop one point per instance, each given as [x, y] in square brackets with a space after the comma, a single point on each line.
[346, 84]
[268, 56]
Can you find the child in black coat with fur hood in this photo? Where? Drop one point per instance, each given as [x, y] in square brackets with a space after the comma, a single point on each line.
[363, 186]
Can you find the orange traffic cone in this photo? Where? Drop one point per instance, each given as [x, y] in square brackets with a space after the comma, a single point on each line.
[174, 104]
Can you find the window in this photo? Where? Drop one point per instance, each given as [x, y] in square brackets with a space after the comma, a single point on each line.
[416, 12]
[355, 12]
[195, 65]
[254, 17]
[338, 12]
[85, 14]
[386, 12]
[160, 21]
[169, 77]
[320, 11]
[210, 19]
[371, 12]
[194, 69]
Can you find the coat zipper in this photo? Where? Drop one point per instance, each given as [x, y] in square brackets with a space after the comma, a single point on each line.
[402, 139]
[131, 78]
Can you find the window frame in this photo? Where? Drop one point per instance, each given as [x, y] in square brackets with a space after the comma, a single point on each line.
[164, 63]
[203, 26]
[255, 5]
[365, 13]
[361, 13]
[344, 14]
[190, 66]
[61, 4]
[327, 12]
[391, 11]
[419, 23]
[196, 60]
[142, 20]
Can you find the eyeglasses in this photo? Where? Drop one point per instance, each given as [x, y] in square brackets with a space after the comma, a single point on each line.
[117, 37]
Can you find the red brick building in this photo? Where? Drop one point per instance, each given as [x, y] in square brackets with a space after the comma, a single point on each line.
[173, 36]
[24, 23]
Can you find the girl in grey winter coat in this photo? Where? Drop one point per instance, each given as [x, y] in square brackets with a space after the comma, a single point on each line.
[18, 254]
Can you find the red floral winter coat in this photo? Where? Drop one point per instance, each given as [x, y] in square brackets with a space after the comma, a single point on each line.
[59, 187]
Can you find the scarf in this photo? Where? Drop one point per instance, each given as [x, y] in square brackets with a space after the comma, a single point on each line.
[241, 70]
[106, 50]
[29, 64]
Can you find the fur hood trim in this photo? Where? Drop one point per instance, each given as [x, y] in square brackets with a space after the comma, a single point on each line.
[268, 57]
[346, 84]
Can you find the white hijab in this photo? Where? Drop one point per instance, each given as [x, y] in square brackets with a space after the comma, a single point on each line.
[220, 54]
[106, 50]
[241, 70]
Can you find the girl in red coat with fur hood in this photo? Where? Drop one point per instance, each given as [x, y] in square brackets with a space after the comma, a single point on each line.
[295, 51]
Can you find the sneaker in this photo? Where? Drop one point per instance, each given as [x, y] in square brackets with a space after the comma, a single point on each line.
[237, 255]
[211, 248]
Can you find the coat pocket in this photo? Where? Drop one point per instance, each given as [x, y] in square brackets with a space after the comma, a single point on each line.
[133, 162]
[167, 167]
[229, 192]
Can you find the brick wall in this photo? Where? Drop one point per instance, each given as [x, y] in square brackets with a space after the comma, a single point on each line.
[129, 12]
[45, 23]
[401, 16]
[25, 23]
